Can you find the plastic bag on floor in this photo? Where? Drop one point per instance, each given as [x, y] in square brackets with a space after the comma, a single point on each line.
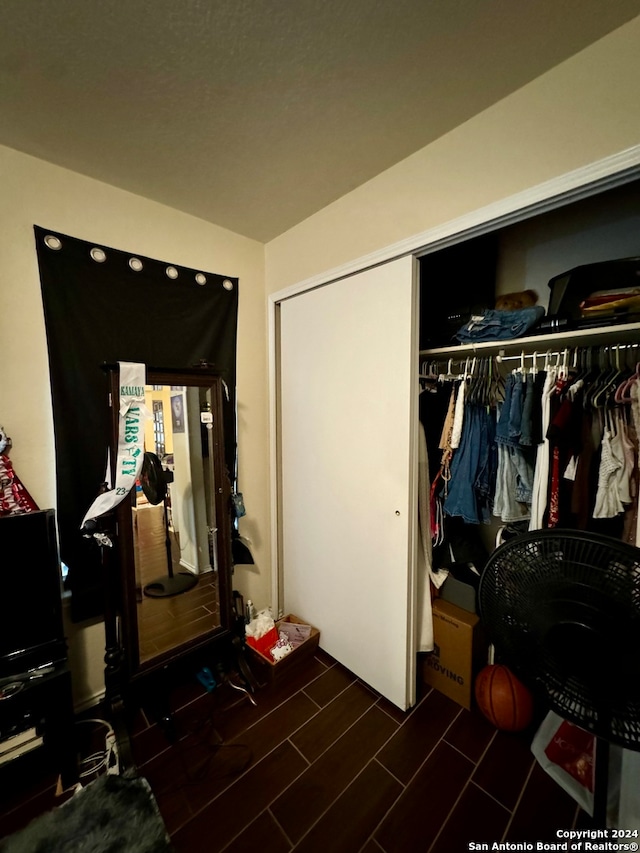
[567, 753]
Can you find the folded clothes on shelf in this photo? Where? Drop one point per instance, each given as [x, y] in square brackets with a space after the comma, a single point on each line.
[493, 325]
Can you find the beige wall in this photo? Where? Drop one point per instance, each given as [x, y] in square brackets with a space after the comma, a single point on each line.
[580, 112]
[35, 192]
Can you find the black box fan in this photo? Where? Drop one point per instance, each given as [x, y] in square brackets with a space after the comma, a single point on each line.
[563, 609]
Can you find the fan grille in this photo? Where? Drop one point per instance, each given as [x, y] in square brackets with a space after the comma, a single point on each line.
[152, 479]
[563, 610]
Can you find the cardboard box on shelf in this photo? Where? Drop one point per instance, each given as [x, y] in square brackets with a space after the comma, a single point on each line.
[460, 651]
[275, 671]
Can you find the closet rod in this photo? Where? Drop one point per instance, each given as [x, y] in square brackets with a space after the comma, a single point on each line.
[533, 355]
[543, 355]
[557, 354]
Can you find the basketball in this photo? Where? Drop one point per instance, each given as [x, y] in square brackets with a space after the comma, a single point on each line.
[503, 698]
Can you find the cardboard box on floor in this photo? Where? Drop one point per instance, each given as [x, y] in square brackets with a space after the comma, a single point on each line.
[460, 652]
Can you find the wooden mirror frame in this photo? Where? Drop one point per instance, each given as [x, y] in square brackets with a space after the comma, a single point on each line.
[125, 594]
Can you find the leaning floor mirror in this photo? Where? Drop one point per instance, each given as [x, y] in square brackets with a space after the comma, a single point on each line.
[174, 531]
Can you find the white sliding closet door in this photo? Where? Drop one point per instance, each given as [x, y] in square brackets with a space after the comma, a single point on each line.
[348, 406]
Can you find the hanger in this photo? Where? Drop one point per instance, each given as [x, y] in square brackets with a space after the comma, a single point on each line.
[498, 385]
[632, 374]
[623, 391]
[578, 369]
[449, 375]
[428, 376]
[598, 376]
[547, 360]
[481, 385]
[601, 397]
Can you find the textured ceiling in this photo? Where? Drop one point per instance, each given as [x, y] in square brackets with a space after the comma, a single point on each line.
[254, 114]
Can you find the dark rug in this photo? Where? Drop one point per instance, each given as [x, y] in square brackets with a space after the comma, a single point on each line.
[114, 814]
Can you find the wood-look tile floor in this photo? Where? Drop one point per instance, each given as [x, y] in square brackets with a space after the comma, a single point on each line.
[323, 763]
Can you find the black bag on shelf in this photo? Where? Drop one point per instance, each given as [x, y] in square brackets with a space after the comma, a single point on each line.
[571, 289]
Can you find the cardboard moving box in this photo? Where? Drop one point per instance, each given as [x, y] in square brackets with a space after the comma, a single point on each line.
[460, 651]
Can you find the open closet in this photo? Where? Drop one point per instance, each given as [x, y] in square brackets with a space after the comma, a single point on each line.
[572, 462]
[353, 358]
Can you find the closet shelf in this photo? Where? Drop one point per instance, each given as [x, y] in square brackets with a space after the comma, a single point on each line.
[624, 333]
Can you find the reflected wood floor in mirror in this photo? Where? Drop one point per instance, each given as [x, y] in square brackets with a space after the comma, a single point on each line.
[165, 623]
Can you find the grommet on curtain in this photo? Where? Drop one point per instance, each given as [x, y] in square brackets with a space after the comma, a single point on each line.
[53, 242]
[228, 285]
[98, 255]
[135, 264]
[171, 272]
[201, 278]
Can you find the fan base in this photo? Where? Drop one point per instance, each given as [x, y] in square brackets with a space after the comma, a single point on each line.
[166, 587]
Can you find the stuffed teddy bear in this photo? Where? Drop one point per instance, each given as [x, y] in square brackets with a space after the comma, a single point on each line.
[516, 301]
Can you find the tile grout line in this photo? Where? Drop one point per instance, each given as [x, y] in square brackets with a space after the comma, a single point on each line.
[310, 763]
[169, 744]
[463, 789]
[304, 758]
[279, 825]
[495, 799]
[409, 711]
[422, 763]
[334, 801]
[232, 781]
[263, 717]
[372, 836]
[358, 774]
[242, 775]
[300, 753]
[390, 772]
[517, 803]
[311, 699]
[286, 740]
[266, 810]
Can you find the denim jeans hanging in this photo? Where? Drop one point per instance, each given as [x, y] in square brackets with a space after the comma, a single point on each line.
[466, 464]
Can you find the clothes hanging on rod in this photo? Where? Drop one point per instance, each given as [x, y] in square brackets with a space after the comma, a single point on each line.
[541, 471]
[472, 476]
[557, 446]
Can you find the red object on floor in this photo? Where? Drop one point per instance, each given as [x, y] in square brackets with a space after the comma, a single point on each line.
[265, 643]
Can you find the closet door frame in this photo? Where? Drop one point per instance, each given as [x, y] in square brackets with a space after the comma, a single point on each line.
[611, 172]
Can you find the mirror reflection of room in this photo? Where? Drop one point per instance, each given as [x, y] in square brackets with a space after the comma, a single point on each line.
[174, 523]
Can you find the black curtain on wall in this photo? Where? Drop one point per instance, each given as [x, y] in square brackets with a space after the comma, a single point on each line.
[101, 306]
